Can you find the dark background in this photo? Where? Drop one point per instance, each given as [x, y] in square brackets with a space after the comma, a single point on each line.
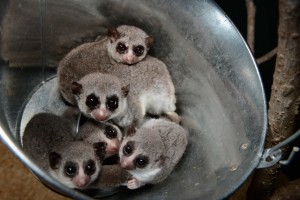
[265, 40]
[265, 31]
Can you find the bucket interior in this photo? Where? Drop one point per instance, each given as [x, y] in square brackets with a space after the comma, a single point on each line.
[219, 91]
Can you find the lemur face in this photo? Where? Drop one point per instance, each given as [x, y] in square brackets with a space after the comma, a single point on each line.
[132, 160]
[128, 44]
[100, 96]
[102, 107]
[128, 53]
[141, 151]
[77, 164]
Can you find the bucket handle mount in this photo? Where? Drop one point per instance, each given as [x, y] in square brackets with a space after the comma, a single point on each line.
[273, 155]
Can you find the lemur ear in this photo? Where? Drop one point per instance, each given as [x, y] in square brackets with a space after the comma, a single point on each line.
[76, 88]
[126, 90]
[54, 160]
[149, 41]
[130, 131]
[113, 34]
[99, 148]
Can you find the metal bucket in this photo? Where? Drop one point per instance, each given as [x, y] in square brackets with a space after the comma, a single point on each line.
[219, 91]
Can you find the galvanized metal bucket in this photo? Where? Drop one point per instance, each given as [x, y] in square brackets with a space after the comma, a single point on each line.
[219, 91]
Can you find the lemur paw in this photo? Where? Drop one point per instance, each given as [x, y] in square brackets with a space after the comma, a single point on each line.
[133, 183]
[173, 116]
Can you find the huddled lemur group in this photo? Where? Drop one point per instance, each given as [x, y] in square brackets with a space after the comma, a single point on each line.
[128, 100]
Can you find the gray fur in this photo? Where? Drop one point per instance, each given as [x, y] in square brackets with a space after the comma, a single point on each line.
[149, 79]
[110, 176]
[104, 86]
[163, 142]
[46, 133]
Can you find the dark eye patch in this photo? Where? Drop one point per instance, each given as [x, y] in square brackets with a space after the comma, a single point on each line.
[92, 101]
[138, 50]
[71, 169]
[112, 103]
[100, 149]
[141, 161]
[121, 48]
[90, 167]
[110, 132]
[128, 148]
[100, 146]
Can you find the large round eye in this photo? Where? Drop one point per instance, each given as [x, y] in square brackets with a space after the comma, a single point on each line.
[70, 169]
[90, 167]
[110, 132]
[112, 103]
[121, 48]
[128, 149]
[92, 101]
[141, 161]
[138, 50]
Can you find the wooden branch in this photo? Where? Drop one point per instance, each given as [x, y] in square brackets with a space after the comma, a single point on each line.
[251, 12]
[291, 191]
[267, 56]
[285, 95]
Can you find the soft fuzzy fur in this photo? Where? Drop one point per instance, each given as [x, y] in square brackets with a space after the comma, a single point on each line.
[149, 79]
[162, 142]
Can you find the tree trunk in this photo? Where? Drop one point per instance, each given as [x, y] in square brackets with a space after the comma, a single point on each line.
[288, 192]
[285, 95]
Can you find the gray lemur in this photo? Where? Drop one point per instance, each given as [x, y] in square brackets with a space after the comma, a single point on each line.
[48, 139]
[105, 97]
[151, 152]
[128, 44]
[107, 135]
[102, 56]
[148, 77]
